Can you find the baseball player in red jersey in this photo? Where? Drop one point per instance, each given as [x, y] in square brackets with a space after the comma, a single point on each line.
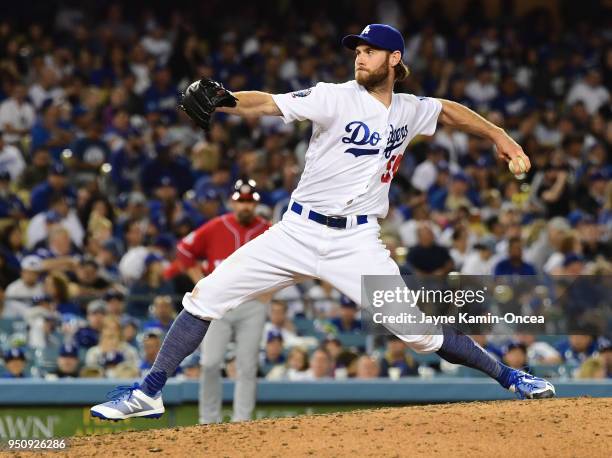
[210, 244]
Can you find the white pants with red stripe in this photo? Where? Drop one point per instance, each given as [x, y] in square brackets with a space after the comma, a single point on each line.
[295, 249]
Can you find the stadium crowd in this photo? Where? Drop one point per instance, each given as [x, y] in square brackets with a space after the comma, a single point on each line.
[101, 175]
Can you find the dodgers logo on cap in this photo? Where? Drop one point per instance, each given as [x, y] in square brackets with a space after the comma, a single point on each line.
[380, 36]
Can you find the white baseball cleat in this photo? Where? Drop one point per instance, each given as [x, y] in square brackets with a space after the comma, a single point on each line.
[128, 402]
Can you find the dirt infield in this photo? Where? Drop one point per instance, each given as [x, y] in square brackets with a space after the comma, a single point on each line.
[580, 427]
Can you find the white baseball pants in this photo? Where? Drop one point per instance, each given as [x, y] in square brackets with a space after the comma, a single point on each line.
[292, 250]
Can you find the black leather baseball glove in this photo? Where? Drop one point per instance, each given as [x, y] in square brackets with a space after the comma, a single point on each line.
[201, 99]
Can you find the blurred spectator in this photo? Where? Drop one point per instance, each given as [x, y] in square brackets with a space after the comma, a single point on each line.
[59, 213]
[127, 162]
[129, 329]
[578, 347]
[397, 357]
[12, 249]
[280, 323]
[593, 368]
[460, 247]
[88, 282]
[88, 335]
[11, 159]
[482, 261]
[68, 364]
[15, 364]
[320, 365]
[334, 349]
[553, 191]
[515, 356]
[589, 91]
[427, 257]
[45, 326]
[152, 283]
[52, 132]
[295, 369]
[593, 200]
[367, 367]
[18, 293]
[346, 322]
[162, 314]
[514, 264]
[151, 343]
[272, 354]
[572, 265]
[108, 260]
[538, 352]
[57, 288]
[111, 350]
[37, 170]
[424, 175]
[482, 90]
[11, 206]
[57, 183]
[89, 152]
[16, 115]
[115, 304]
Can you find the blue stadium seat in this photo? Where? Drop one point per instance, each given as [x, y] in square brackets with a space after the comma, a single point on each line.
[304, 326]
[7, 325]
[352, 340]
[545, 370]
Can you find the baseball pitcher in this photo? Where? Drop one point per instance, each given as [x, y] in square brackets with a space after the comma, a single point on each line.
[331, 230]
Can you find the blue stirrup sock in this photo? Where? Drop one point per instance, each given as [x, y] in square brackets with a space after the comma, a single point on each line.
[457, 348]
[183, 338]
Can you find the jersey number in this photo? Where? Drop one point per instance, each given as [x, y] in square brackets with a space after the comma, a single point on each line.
[392, 166]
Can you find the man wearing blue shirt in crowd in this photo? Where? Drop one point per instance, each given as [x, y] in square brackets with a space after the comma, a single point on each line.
[10, 205]
[514, 264]
[51, 132]
[128, 161]
[396, 356]
[57, 183]
[161, 98]
[89, 335]
[90, 152]
[165, 164]
[346, 323]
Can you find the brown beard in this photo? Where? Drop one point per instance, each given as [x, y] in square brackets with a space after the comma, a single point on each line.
[373, 78]
[245, 217]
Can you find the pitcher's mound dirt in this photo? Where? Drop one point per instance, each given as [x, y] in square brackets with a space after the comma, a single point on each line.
[579, 427]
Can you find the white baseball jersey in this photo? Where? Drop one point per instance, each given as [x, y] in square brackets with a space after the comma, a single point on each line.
[356, 146]
[355, 149]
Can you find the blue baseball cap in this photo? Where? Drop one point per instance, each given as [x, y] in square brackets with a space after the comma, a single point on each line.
[14, 353]
[69, 350]
[274, 335]
[378, 35]
[153, 257]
